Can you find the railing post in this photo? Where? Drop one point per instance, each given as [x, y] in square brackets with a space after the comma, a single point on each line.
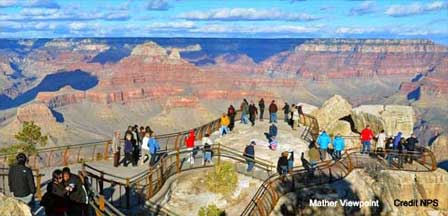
[38, 182]
[219, 153]
[177, 154]
[66, 156]
[106, 150]
[150, 189]
[101, 203]
[101, 183]
[128, 194]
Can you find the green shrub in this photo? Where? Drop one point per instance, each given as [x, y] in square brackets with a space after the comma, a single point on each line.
[211, 210]
[223, 179]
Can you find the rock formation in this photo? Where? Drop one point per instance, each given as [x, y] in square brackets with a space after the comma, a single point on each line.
[331, 112]
[12, 207]
[391, 118]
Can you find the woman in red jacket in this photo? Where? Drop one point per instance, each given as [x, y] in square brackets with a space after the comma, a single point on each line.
[189, 143]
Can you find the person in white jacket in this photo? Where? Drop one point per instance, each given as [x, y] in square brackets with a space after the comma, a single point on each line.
[207, 149]
[295, 117]
[381, 141]
[145, 148]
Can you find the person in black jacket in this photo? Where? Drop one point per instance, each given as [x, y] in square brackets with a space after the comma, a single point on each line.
[54, 200]
[282, 164]
[411, 143]
[77, 193]
[252, 112]
[261, 106]
[21, 180]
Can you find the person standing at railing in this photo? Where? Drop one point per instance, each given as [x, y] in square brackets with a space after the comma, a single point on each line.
[300, 112]
[273, 112]
[127, 149]
[252, 112]
[76, 192]
[154, 148]
[290, 160]
[225, 121]
[261, 106]
[366, 138]
[286, 111]
[323, 141]
[244, 111]
[145, 148]
[249, 153]
[339, 145]
[116, 148]
[411, 143]
[231, 113]
[294, 117]
[207, 149]
[136, 145]
[396, 148]
[282, 164]
[21, 180]
[381, 142]
[189, 143]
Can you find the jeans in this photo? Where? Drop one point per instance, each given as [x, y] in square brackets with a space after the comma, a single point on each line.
[286, 117]
[250, 165]
[323, 154]
[154, 159]
[290, 165]
[337, 154]
[365, 147]
[252, 119]
[207, 156]
[283, 170]
[244, 118]
[272, 117]
[224, 129]
[190, 156]
[127, 158]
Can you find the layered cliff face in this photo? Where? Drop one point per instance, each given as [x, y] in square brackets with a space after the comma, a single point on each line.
[339, 58]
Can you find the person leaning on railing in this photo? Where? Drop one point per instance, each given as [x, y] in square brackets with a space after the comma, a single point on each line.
[154, 148]
[21, 180]
[207, 149]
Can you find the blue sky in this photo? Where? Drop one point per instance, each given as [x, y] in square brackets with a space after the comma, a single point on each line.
[225, 18]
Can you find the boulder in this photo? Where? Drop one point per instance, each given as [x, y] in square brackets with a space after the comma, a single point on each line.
[332, 110]
[391, 118]
[12, 207]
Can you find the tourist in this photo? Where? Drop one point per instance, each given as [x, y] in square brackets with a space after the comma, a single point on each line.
[366, 137]
[244, 111]
[136, 146]
[54, 200]
[77, 193]
[396, 148]
[154, 149]
[339, 145]
[249, 153]
[189, 143]
[389, 143]
[261, 107]
[286, 111]
[273, 144]
[141, 134]
[116, 148]
[148, 130]
[300, 111]
[145, 148]
[290, 160]
[127, 149]
[282, 163]
[207, 149]
[273, 112]
[231, 113]
[252, 112]
[381, 142]
[294, 117]
[314, 156]
[411, 144]
[21, 180]
[323, 141]
[272, 132]
[225, 121]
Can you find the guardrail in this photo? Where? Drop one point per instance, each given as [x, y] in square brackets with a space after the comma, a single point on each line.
[5, 185]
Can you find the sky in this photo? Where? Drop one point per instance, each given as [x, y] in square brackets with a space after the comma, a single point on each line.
[225, 18]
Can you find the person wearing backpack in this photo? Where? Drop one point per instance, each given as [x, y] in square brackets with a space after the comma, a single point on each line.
[154, 147]
[145, 148]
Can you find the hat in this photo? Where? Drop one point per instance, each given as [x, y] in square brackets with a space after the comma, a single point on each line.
[253, 142]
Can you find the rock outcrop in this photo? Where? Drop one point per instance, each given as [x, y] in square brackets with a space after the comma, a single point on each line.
[391, 118]
[331, 111]
[12, 207]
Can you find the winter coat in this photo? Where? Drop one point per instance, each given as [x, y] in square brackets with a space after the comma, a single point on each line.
[231, 112]
[253, 109]
[411, 143]
[79, 194]
[366, 135]
[273, 108]
[128, 146]
[249, 151]
[396, 143]
[295, 115]
[261, 105]
[21, 180]
[189, 141]
[54, 200]
[286, 109]
[282, 161]
[273, 130]
[323, 140]
[154, 146]
[225, 121]
[245, 108]
[338, 143]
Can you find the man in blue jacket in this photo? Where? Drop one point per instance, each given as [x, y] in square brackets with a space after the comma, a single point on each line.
[323, 141]
[339, 145]
[154, 147]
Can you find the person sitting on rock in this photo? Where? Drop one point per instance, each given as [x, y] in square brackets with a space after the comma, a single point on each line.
[323, 141]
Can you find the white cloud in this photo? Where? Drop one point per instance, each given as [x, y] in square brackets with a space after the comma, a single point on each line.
[7, 3]
[217, 28]
[235, 14]
[175, 25]
[365, 8]
[415, 8]
[158, 5]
